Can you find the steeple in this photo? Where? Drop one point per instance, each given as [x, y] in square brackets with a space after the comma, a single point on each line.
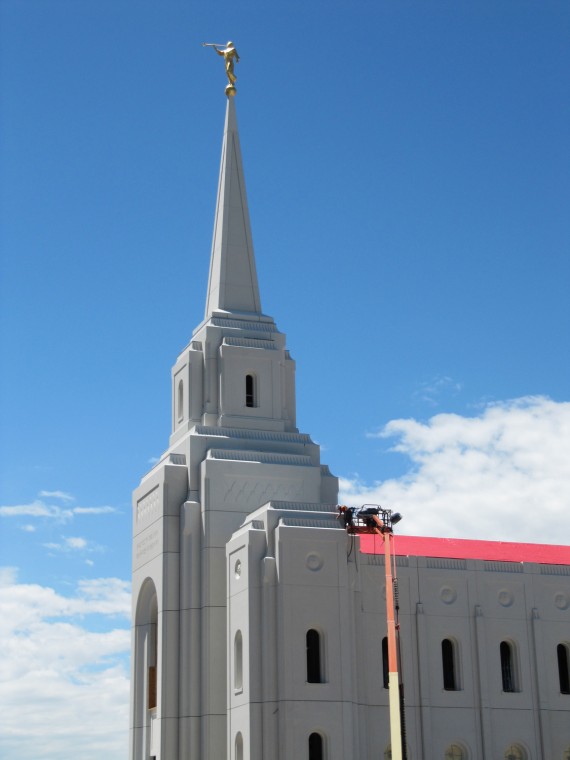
[234, 446]
[232, 283]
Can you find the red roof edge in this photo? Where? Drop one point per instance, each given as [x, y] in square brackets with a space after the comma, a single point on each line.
[461, 548]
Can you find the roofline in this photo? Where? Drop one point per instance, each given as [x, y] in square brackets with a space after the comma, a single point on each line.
[461, 548]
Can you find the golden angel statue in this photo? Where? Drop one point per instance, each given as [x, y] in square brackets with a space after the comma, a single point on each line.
[229, 54]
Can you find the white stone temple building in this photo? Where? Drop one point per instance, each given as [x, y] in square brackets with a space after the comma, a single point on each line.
[259, 625]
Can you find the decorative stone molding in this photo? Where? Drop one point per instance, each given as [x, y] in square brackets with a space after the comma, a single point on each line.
[299, 460]
[267, 345]
[302, 506]
[314, 561]
[242, 324]
[561, 600]
[446, 564]
[505, 597]
[297, 522]
[261, 435]
[248, 491]
[447, 594]
[503, 567]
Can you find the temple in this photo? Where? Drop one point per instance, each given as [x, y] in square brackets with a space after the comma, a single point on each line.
[259, 625]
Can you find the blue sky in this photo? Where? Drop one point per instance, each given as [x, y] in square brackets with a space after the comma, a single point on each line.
[408, 178]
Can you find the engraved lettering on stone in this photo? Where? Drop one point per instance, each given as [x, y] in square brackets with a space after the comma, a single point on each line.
[149, 505]
[148, 546]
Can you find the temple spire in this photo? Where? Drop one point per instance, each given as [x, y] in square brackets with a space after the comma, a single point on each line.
[232, 283]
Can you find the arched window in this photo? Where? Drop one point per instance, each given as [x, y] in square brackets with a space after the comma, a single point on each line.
[563, 668]
[508, 672]
[180, 400]
[316, 747]
[239, 746]
[146, 651]
[250, 399]
[448, 661]
[238, 662]
[314, 674]
[455, 752]
[515, 752]
[385, 669]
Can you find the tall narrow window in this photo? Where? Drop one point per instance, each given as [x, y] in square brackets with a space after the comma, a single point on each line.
[180, 400]
[239, 746]
[146, 653]
[316, 749]
[151, 687]
[152, 699]
[238, 662]
[563, 668]
[313, 656]
[448, 664]
[507, 666]
[385, 669]
[249, 390]
[454, 752]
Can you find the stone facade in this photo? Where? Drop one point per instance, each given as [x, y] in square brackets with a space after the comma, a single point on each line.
[466, 696]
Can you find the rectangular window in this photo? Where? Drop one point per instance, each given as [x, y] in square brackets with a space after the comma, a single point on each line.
[385, 668]
[249, 390]
[563, 668]
[313, 656]
[508, 673]
[448, 663]
[152, 687]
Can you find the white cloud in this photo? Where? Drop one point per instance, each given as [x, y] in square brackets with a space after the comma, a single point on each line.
[40, 508]
[64, 688]
[36, 508]
[502, 475]
[73, 544]
[107, 596]
[93, 510]
[69, 543]
[8, 575]
[63, 495]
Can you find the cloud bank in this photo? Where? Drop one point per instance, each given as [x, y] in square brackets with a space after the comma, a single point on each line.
[63, 688]
[501, 475]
